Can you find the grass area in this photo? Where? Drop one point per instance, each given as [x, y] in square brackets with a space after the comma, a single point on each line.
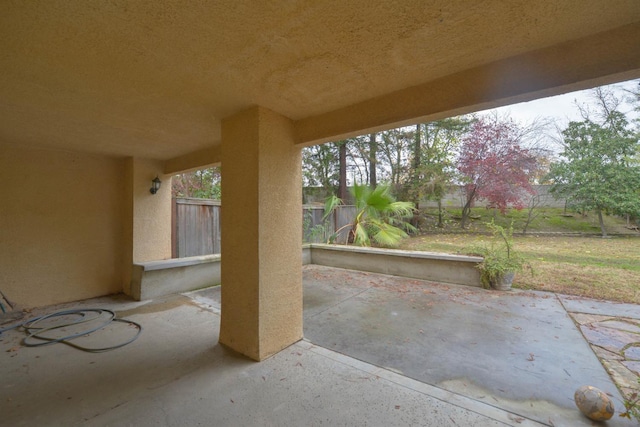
[586, 266]
[546, 220]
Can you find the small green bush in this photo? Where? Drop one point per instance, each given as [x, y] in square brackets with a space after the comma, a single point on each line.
[499, 255]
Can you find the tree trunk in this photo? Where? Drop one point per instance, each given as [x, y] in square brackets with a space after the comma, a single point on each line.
[417, 151]
[440, 221]
[342, 186]
[533, 204]
[601, 220]
[373, 153]
[466, 210]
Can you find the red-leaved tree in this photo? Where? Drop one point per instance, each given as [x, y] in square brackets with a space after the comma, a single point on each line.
[495, 167]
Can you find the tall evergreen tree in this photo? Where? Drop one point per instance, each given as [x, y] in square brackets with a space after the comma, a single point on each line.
[599, 168]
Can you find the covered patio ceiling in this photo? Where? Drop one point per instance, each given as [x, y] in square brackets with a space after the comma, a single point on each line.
[153, 79]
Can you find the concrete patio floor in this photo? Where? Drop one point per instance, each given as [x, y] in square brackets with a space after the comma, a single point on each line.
[378, 350]
[519, 351]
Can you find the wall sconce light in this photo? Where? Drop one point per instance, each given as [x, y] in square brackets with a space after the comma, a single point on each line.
[155, 185]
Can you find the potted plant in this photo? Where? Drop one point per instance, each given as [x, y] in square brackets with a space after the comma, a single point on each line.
[501, 261]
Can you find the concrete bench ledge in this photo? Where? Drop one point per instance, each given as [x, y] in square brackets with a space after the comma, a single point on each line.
[156, 278]
[178, 262]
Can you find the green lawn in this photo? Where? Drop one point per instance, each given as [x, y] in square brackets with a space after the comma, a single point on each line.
[545, 220]
[587, 266]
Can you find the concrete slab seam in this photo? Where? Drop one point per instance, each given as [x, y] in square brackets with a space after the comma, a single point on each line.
[342, 300]
[434, 392]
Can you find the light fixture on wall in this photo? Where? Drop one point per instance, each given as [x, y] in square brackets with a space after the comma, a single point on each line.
[155, 185]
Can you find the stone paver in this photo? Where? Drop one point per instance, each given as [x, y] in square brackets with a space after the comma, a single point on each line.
[632, 353]
[608, 338]
[613, 331]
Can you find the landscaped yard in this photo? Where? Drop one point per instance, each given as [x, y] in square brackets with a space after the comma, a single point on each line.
[587, 266]
[546, 220]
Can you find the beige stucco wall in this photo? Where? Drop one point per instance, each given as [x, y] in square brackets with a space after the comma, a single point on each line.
[151, 212]
[147, 217]
[61, 225]
[72, 224]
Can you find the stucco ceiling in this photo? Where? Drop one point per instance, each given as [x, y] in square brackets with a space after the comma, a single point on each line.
[153, 79]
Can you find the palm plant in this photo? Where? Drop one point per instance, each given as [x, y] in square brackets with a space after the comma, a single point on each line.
[379, 217]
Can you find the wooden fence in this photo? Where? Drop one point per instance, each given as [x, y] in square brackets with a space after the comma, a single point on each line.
[317, 230]
[196, 226]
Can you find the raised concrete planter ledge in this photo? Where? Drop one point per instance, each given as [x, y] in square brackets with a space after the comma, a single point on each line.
[156, 278]
[397, 252]
[436, 267]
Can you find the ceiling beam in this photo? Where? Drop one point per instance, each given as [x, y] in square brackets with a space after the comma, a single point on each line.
[200, 159]
[599, 59]
[584, 63]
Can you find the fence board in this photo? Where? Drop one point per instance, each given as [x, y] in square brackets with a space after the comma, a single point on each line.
[197, 227]
[196, 222]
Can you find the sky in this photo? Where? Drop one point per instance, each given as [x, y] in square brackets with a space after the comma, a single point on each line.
[562, 107]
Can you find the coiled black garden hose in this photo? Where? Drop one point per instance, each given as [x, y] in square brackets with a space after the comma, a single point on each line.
[35, 333]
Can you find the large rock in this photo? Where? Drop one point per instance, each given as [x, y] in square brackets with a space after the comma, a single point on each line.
[594, 403]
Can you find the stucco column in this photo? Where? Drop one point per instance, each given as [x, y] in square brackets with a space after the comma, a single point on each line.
[261, 234]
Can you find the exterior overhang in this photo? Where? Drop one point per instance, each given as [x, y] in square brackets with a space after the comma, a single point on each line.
[591, 61]
[100, 98]
[155, 79]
